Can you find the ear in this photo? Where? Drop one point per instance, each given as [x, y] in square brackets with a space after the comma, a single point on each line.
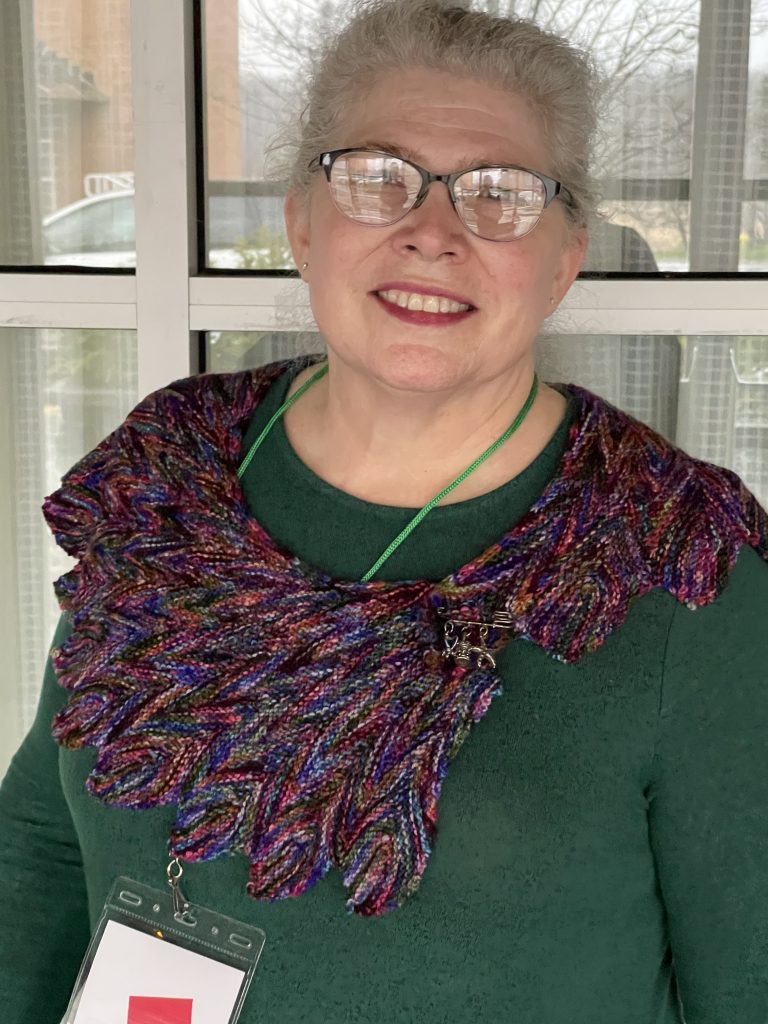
[297, 226]
[571, 259]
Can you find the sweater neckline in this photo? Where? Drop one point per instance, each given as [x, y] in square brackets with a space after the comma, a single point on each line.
[566, 479]
[547, 464]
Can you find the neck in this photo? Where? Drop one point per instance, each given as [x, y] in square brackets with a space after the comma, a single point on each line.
[395, 447]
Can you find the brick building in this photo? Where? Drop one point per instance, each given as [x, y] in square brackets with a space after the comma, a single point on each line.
[83, 68]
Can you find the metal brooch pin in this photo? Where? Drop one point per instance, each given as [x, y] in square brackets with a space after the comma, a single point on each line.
[465, 640]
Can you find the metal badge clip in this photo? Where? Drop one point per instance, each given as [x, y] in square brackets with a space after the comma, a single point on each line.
[181, 910]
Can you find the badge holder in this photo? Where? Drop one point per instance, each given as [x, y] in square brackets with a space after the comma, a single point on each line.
[155, 958]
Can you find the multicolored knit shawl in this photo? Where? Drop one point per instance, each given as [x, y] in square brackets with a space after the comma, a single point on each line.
[306, 721]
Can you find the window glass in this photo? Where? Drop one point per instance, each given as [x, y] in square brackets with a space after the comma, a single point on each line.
[684, 155]
[61, 392]
[67, 124]
[105, 225]
[229, 351]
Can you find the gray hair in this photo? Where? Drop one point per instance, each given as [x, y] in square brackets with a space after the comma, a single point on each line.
[557, 80]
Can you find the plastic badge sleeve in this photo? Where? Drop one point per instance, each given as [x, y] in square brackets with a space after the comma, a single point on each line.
[153, 962]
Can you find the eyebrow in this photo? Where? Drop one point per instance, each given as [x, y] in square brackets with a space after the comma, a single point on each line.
[410, 154]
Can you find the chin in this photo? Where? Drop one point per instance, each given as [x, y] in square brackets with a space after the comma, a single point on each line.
[419, 368]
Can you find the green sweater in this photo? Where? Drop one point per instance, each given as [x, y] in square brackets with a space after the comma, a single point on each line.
[602, 847]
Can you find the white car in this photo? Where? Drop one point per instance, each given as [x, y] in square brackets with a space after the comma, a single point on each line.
[100, 231]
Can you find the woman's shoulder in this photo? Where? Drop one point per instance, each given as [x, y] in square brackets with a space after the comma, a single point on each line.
[224, 394]
[734, 620]
[628, 513]
[674, 503]
[209, 390]
[713, 707]
[744, 601]
[190, 424]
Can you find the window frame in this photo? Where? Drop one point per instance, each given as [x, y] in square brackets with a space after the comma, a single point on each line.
[171, 300]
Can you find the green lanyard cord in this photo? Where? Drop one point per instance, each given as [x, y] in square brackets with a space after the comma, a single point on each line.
[276, 416]
[459, 480]
[422, 513]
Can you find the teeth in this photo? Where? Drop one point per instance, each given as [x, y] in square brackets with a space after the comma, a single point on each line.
[423, 303]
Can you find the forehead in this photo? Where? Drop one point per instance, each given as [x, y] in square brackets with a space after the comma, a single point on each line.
[432, 116]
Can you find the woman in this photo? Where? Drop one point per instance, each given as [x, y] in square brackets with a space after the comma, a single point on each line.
[520, 733]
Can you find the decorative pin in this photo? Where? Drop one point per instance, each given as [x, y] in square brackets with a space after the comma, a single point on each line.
[465, 639]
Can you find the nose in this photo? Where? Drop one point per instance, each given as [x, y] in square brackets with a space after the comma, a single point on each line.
[432, 228]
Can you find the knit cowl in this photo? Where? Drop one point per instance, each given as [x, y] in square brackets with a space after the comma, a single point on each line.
[308, 722]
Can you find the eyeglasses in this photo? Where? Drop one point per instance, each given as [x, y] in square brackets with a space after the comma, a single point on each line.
[497, 203]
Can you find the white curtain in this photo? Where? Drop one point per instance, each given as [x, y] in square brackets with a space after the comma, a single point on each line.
[20, 468]
[61, 391]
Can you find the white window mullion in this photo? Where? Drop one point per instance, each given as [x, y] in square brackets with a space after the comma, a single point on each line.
[163, 107]
[591, 307]
[719, 132]
[106, 302]
[676, 306]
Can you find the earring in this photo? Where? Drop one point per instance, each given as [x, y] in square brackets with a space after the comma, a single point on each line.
[304, 267]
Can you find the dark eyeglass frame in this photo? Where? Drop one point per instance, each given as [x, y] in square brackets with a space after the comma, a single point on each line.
[553, 189]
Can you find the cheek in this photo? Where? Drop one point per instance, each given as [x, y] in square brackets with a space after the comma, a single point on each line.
[337, 248]
[550, 255]
[346, 264]
[336, 284]
[524, 280]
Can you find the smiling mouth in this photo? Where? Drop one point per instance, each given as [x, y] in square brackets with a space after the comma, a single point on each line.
[417, 302]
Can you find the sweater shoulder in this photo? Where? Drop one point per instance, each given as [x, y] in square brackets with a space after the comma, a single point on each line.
[189, 422]
[690, 518]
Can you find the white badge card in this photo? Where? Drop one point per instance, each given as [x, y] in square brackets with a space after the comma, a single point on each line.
[154, 962]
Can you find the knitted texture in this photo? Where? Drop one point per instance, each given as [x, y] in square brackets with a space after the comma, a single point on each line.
[309, 722]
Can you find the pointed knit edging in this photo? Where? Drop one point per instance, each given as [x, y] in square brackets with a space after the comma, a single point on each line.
[309, 722]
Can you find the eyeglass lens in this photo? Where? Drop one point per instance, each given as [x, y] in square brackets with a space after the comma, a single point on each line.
[500, 203]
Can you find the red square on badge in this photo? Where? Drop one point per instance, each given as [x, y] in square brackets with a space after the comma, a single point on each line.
[158, 1010]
